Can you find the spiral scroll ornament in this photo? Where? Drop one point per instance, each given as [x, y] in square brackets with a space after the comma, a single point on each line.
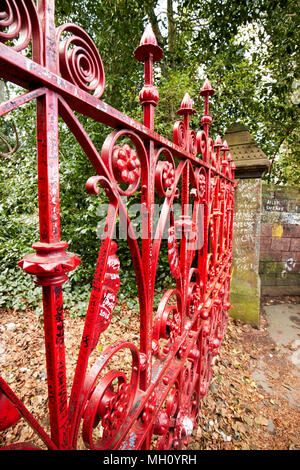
[79, 60]
[15, 24]
[186, 139]
[182, 135]
[202, 144]
[179, 135]
[168, 319]
[107, 404]
[108, 398]
[192, 143]
[19, 22]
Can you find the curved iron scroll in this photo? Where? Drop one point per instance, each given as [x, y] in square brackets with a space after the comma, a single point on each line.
[156, 403]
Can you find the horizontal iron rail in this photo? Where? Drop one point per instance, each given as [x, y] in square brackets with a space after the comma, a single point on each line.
[30, 75]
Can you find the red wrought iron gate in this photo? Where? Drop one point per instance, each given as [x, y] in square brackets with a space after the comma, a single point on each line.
[155, 403]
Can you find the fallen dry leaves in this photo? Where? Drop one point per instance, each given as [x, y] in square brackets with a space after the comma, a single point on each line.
[241, 412]
[237, 413]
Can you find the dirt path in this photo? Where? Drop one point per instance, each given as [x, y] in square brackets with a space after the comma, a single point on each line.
[251, 403]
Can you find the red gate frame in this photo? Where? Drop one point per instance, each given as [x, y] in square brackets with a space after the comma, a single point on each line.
[160, 399]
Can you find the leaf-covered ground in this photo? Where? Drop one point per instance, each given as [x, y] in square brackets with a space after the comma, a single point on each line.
[239, 412]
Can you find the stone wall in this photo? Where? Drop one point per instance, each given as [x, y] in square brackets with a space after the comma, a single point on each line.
[279, 265]
[245, 283]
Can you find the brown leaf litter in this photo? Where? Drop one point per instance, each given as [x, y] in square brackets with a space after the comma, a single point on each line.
[239, 412]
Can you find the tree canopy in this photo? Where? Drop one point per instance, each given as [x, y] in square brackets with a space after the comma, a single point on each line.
[249, 51]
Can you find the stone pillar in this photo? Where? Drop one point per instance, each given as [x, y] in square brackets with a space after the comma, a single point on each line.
[251, 163]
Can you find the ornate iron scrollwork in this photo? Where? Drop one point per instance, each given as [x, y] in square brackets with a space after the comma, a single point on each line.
[157, 402]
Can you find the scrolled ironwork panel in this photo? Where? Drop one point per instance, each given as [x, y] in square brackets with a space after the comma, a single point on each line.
[155, 405]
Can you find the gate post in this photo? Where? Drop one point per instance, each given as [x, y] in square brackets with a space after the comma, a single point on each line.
[251, 163]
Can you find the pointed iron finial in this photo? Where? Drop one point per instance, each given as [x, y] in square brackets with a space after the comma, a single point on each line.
[187, 102]
[148, 45]
[225, 162]
[148, 36]
[233, 168]
[186, 106]
[207, 90]
[218, 142]
[218, 145]
[225, 147]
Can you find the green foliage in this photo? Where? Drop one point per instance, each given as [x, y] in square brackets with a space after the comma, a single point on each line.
[250, 51]
[252, 60]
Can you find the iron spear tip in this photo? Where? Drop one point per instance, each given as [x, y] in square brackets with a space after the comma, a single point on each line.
[148, 45]
[187, 101]
[207, 88]
[186, 106]
[218, 141]
[225, 145]
[148, 36]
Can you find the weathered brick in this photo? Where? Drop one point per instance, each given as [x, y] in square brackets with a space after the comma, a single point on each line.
[271, 267]
[281, 244]
[265, 243]
[281, 290]
[290, 279]
[266, 230]
[295, 245]
[268, 279]
[277, 230]
[285, 255]
[271, 256]
[291, 231]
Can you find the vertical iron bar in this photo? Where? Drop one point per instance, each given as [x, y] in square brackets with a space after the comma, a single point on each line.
[49, 217]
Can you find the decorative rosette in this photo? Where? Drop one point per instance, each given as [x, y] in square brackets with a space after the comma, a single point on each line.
[164, 172]
[126, 164]
[201, 185]
[123, 161]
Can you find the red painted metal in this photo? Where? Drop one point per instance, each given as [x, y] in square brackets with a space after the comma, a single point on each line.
[156, 403]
